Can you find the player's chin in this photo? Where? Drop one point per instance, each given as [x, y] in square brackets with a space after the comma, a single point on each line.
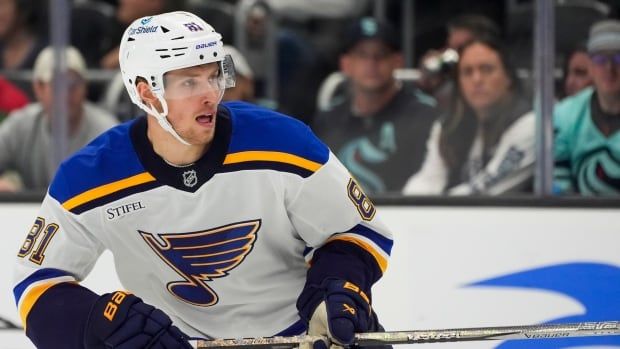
[203, 137]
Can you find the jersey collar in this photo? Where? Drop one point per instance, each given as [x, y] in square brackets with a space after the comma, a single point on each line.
[188, 178]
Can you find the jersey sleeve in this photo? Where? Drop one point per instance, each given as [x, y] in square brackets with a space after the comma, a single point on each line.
[341, 227]
[58, 252]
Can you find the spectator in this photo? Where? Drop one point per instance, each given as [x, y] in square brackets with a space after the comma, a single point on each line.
[577, 71]
[25, 136]
[11, 98]
[437, 65]
[127, 12]
[379, 131]
[244, 87]
[486, 144]
[587, 141]
[19, 42]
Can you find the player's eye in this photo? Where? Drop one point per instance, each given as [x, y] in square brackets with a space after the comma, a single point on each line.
[189, 83]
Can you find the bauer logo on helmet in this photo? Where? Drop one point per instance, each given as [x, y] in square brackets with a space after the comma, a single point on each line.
[206, 45]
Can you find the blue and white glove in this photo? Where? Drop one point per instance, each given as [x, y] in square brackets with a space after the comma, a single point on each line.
[343, 309]
[121, 320]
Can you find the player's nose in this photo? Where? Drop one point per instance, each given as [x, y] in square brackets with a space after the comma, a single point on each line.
[210, 96]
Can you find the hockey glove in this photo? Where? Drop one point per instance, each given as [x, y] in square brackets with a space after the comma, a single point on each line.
[121, 320]
[343, 309]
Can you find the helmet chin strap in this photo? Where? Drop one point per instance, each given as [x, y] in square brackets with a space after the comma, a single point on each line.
[163, 122]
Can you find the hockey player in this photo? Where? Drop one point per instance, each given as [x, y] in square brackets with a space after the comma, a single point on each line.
[225, 220]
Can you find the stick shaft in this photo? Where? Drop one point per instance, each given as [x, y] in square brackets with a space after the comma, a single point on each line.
[547, 331]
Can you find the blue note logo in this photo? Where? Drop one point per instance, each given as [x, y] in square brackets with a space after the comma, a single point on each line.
[595, 286]
[200, 257]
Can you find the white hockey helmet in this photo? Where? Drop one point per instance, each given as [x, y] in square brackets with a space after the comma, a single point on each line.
[154, 45]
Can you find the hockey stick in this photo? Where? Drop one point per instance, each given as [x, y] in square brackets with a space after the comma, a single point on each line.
[547, 331]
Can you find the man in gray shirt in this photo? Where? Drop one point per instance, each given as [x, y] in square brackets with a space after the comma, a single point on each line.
[26, 137]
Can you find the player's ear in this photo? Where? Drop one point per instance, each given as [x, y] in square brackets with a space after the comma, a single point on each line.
[146, 95]
[144, 91]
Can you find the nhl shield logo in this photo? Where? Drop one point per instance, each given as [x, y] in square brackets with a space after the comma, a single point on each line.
[190, 178]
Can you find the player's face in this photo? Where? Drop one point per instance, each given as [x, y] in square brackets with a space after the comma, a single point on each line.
[370, 65]
[482, 78]
[192, 95]
[605, 69]
[578, 73]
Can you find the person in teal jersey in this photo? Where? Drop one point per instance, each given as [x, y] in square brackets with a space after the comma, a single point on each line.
[587, 141]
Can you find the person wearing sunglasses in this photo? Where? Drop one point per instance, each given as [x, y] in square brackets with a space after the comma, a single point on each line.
[587, 125]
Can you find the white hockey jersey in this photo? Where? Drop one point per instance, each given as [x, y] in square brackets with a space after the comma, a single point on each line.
[223, 245]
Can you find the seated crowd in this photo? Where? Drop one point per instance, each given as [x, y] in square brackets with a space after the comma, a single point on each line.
[465, 127]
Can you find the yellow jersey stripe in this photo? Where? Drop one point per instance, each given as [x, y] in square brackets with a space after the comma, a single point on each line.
[107, 189]
[382, 261]
[275, 156]
[31, 298]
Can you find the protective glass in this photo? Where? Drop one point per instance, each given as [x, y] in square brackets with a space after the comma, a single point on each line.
[212, 80]
[181, 85]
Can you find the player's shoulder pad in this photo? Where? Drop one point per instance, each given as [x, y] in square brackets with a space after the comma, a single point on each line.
[104, 170]
[263, 135]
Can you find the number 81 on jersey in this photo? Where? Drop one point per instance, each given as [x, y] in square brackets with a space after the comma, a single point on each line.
[39, 226]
